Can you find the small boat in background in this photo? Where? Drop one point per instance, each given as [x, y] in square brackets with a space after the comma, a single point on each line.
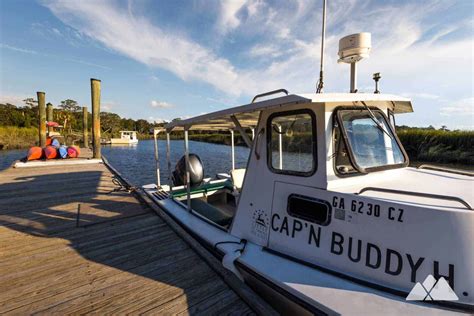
[126, 137]
[73, 152]
[50, 152]
[34, 153]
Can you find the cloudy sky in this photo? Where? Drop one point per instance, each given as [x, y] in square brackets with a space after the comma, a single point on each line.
[166, 59]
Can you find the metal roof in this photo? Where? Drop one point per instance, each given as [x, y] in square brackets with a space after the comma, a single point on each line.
[248, 114]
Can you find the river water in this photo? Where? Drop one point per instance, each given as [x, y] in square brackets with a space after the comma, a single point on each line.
[137, 162]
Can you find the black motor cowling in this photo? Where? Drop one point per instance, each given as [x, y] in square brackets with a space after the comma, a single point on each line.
[196, 171]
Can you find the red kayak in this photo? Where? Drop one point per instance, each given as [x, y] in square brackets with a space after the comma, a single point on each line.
[48, 141]
[52, 124]
[34, 153]
[50, 152]
[73, 151]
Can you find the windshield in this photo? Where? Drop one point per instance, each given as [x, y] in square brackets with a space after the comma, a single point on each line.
[372, 145]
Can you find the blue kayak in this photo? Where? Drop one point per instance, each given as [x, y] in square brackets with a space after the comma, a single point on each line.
[62, 151]
[55, 143]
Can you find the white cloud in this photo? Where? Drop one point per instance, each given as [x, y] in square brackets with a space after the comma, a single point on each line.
[228, 19]
[19, 49]
[33, 52]
[265, 50]
[147, 43]
[107, 106]
[160, 104]
[463, 107]
[13, 99]
[152, 119]
[287, 34]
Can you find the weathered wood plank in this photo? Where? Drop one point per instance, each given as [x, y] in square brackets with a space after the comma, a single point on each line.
[94, 278]
[131, 262]
[26, 242]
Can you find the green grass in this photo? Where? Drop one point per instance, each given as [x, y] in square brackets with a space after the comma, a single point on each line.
[12, 137]
[453, 147]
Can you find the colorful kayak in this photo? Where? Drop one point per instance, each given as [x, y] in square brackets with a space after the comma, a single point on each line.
[62, 151]
[73, 151]
[48, 141]
[34, 153]
[52, 124]
[55, 143]
[50, 152]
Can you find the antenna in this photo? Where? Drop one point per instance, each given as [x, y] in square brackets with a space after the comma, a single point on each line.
[376, 79]
[319, 88]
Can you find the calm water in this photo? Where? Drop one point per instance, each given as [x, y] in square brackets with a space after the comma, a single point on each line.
[7, 157]
[137, 163]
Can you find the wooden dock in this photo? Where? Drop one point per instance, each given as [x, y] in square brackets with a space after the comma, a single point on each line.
[114, 256]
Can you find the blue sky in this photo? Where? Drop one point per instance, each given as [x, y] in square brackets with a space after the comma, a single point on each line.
[166, 59]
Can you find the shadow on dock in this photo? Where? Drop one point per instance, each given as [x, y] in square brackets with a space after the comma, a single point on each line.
[118, 257]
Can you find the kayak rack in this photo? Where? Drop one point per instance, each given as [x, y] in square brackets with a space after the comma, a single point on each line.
[421, 194]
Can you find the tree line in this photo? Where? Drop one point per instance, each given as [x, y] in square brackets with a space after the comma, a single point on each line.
[68, 114]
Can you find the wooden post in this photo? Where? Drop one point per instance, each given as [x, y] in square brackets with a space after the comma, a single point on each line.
[85, 132]
[41, 118]
[157, 160]
[95, 95]
[49, 116]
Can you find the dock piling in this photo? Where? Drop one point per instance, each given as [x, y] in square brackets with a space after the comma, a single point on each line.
[157, 161]
[41, 118]
[85, 131]
[95, 95]
[49, 116]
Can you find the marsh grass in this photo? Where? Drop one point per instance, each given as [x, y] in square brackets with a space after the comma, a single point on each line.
[12, 137]
[454, 147]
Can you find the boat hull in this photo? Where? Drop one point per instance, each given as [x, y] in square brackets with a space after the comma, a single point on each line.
[119, 141]
[293, 287]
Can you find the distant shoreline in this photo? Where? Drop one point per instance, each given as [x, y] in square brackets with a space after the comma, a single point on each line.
[422, 145]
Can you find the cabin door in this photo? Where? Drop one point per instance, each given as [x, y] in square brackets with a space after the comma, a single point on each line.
[296, 212]
[283, 162]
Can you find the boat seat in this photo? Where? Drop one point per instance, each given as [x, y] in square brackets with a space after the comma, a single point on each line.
[210, 212]
[237, 176]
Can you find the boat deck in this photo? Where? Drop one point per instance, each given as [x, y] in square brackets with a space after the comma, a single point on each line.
[116, 257]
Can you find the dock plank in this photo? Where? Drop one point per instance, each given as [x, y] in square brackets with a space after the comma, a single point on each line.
[122, 258]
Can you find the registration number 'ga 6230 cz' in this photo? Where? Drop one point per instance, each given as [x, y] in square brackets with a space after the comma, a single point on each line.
[368, 209]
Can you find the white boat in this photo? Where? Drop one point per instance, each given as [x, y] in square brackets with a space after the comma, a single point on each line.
[328, 217]
[126, 137]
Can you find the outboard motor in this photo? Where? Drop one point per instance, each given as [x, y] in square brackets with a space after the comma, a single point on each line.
[196, 171]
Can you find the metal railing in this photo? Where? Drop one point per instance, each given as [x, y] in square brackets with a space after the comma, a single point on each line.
[438, 168]
[420, 194]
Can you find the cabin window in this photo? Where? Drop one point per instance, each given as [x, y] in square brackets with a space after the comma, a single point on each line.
[365, 141]
[292, 142]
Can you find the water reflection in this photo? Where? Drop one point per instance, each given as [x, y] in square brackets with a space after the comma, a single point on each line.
[7, 157]
[137, 163]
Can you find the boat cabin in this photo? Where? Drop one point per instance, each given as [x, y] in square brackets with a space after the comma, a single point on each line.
[132, 135]
[313, 140]
[126, 137]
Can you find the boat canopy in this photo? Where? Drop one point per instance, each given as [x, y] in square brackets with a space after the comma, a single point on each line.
[247, 115]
